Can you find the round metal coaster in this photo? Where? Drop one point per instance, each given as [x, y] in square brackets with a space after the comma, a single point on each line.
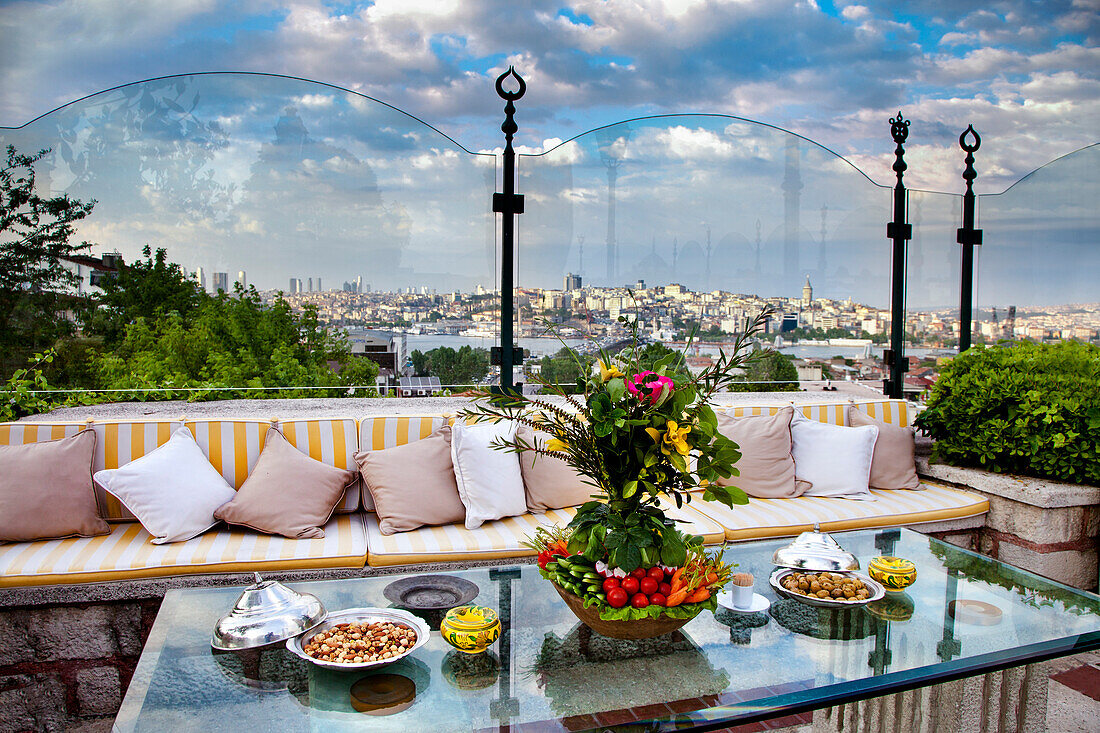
[383, 694]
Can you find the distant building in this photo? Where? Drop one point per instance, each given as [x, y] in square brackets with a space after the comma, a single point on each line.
[200, 275]
[242, 279]
[359, 284]
[807, 293]
[221, 282]
[295, 285]
[319, 288]
[310, 285]
[384, 348]
[572, 282]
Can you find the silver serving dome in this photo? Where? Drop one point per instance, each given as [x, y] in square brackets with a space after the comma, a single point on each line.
[815, 551]
[267, 612]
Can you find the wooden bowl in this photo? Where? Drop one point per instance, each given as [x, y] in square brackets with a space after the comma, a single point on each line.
[645, 628]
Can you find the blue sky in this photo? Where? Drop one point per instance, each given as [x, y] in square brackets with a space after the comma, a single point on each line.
[1025, 73]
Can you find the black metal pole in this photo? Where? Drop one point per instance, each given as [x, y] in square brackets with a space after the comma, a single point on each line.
[968, 236]
[508, 203]
[900, 232]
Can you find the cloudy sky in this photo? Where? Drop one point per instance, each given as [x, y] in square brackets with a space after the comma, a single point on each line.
[1026, 73]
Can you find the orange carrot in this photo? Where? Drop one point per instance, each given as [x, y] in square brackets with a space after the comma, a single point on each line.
[698, 596]
[711, 579]
[676, 598]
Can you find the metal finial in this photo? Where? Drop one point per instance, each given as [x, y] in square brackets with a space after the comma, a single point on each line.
[977, 140]
[511, 96]
[899, 128]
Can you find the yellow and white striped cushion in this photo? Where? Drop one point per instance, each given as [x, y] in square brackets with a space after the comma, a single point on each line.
[331, 441]
[128, 553]
[231, 446]
[892, 508]
[379, 433]
[751, 410]
[493, 540]
[892, 412]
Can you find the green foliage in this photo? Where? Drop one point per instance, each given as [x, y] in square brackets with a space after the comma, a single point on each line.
[34, 237]
[147, 288]
[771, 371]
[233, 341]
[28, 391]
[653, 352]
[564, 370]
[465, 366]
[1020, 408]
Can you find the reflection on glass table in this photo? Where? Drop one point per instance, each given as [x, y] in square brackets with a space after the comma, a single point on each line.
[965, 615]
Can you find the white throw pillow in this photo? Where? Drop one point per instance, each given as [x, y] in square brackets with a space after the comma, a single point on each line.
[173, 490]
[490, 483]
[835, 459]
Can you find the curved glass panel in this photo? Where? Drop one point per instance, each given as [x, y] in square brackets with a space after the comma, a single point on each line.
[334, 198]
[933, 269]
[1038, 264]
[722, 213]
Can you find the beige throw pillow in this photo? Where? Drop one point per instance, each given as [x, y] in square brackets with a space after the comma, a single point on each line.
[287, 493]
[413, 484]
[766, 465]
[893, 464]
[550, 483]
[46, 490]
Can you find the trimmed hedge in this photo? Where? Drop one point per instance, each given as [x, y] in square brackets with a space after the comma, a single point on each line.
[1022, 408]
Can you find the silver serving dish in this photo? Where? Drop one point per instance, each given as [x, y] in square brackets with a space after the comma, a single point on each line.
[267, 612]
[877, 591]
[361, 615]
[815, 551]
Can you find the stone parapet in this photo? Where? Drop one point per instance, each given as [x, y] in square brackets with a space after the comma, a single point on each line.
[1047, 527]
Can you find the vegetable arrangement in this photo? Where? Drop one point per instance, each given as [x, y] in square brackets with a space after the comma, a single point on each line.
[645, 592]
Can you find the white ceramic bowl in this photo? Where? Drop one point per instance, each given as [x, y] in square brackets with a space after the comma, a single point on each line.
[361, 615]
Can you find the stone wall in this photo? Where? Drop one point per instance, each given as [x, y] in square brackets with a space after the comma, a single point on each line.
[1047, 527]
[60, 665]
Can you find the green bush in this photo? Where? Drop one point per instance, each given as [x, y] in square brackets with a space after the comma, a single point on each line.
[1022, 408]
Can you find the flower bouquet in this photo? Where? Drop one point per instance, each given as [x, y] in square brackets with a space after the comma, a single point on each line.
[641, 435]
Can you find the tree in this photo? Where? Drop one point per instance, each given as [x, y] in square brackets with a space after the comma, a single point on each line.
[34, 239]
[562, 369]
[464, 366]
[420, 363]
[770, 371]
[147, 288]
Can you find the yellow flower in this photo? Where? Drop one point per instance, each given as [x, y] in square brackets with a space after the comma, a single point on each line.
[556, 445]
[609, 372]
[673, 439]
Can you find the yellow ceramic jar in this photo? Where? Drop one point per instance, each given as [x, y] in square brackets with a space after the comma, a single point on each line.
[470, 629]
[895, 573]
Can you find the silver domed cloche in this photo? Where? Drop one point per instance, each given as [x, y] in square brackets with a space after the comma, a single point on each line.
[815, 551]
[267, 612]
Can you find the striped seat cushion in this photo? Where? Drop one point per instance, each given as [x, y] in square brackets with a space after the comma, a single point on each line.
[379, 433]
[893, 412]
[501, 538]
[128, 553]
[891, 508]
[332, 441]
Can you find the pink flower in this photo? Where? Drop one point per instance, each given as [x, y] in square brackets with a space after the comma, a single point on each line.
[650, 387]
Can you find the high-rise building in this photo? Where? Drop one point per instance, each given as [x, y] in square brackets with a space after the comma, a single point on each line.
[200, 275]
[221, 282]
[358, 283]
[293, 288]
[572, 282]
[319, 288]
[310, 285]
[242, 278]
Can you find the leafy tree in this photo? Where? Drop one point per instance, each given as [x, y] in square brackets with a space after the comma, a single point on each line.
[651, 353]
[562, 369]
[34, 238]
[147, 288]
[770, 371]
[464, 366]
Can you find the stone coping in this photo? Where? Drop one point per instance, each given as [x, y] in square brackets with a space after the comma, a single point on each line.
[1038, 492]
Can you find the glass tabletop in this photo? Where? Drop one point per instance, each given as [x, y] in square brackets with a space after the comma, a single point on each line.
[964, 615]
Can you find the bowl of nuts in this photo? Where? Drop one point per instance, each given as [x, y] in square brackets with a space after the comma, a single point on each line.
[361, 638]
[826, 589]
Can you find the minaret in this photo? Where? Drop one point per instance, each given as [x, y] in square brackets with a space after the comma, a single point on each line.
[792, 194]
[807, 293]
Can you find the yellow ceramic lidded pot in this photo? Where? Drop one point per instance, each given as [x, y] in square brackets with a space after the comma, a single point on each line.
[895, 573]
[470, 629]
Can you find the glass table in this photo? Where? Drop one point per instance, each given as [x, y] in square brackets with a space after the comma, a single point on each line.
[549, 672]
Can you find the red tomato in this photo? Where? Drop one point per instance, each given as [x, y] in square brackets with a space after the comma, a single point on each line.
[639, 573]
[658, 599]
[544, 557]
[664, 589]
[617, 597]
[657, 573]
[647, 586]
[640, 600]
[610, 584]
[629, 584]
